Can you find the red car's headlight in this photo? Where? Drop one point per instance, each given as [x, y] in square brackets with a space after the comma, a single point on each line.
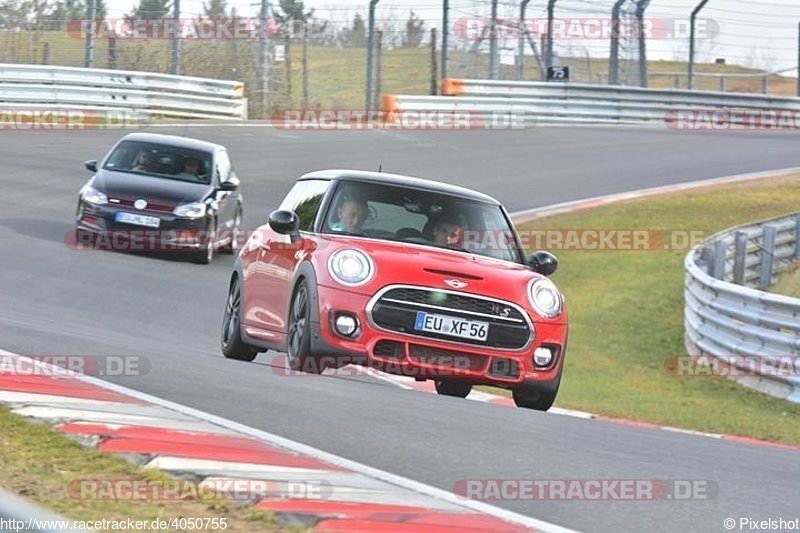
[545, 298]
[351, 267]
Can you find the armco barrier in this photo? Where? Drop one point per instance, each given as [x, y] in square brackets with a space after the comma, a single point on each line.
[142, 95]
[728, 317]
[573, 102]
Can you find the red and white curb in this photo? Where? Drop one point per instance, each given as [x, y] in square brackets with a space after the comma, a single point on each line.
[187, 442]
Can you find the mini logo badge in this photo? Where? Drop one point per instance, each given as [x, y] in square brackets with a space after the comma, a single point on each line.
[455, 283]
[140, 204]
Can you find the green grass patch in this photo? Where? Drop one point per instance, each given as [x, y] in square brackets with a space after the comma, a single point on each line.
[38, 463]
[788, 283]
[626, 315]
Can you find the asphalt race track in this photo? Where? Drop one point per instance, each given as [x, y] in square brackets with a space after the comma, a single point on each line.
[54, 300]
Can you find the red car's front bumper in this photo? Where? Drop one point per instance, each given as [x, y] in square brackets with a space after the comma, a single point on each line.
[430, 358]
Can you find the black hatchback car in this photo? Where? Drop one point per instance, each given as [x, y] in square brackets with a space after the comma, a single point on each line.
[160, 193]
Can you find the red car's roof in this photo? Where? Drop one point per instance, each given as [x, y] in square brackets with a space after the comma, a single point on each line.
[397, 179]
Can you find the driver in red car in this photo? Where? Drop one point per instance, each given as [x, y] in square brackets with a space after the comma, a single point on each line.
[448, 230]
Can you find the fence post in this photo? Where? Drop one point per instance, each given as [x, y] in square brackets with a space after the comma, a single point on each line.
[46, 54]
[88, 56]
[693, 19]
[175, 60]
[376, 100]
[368, 97]
[720, 253]
[434, 66]
[765, 85]
[739, 257]
[305, 65]
[797, 238]
[112, 52]
[707, 258]
[767, 255]
[493, 36]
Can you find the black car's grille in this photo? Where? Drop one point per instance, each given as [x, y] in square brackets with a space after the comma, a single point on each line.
[152, 206]
[397, 308]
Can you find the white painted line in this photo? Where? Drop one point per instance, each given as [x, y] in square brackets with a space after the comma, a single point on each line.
[59, 413]
[693, 432]
[30, 397]
[341, 462]
[189, 464]
[538, 212]
[570, 412]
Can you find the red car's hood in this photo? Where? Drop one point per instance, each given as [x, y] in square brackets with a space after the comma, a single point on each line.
[410, 264]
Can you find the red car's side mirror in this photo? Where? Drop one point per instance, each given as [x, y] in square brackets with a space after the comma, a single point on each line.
[544, 263]
[285, 223]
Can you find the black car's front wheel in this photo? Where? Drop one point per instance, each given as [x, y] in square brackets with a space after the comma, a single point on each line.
[298, 341]
[233, 347]
[208, 241]
[232, 244]
[451, 387]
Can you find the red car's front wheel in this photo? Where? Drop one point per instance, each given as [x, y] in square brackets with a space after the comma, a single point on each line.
[539, 396]
[298, 345]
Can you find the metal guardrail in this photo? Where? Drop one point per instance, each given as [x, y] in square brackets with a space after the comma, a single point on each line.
[729, 317]
[142, 95]
[532, 102]
[18, 515]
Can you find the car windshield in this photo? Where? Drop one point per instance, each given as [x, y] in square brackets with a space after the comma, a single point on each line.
[422, 217]
[162, 161]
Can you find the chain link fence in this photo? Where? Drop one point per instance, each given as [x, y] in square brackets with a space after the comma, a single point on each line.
[317, 60]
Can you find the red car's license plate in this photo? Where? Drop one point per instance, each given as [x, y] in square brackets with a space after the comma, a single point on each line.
[452, 326]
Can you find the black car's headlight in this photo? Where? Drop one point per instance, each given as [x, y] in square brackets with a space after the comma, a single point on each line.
[192, 210]
[93, 196]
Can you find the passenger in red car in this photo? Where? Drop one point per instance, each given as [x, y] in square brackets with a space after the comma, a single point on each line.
[352, 213]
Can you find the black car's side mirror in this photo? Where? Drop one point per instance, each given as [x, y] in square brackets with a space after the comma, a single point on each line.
[231, 184]
[285, 223]
[544, 263]
[90, 165]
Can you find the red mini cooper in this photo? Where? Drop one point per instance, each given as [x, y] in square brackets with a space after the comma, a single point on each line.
[408, 276]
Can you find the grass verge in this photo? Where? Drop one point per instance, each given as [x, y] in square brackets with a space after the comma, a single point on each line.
[626, 315]
[788, 283]
[38, 463]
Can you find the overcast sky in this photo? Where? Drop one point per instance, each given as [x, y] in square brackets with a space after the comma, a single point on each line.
[752, 33]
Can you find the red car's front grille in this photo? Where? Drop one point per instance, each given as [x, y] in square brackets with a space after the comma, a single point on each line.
[154, 207]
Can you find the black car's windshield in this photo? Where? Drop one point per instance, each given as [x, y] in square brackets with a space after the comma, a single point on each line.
[422, 217]
[160, 160]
